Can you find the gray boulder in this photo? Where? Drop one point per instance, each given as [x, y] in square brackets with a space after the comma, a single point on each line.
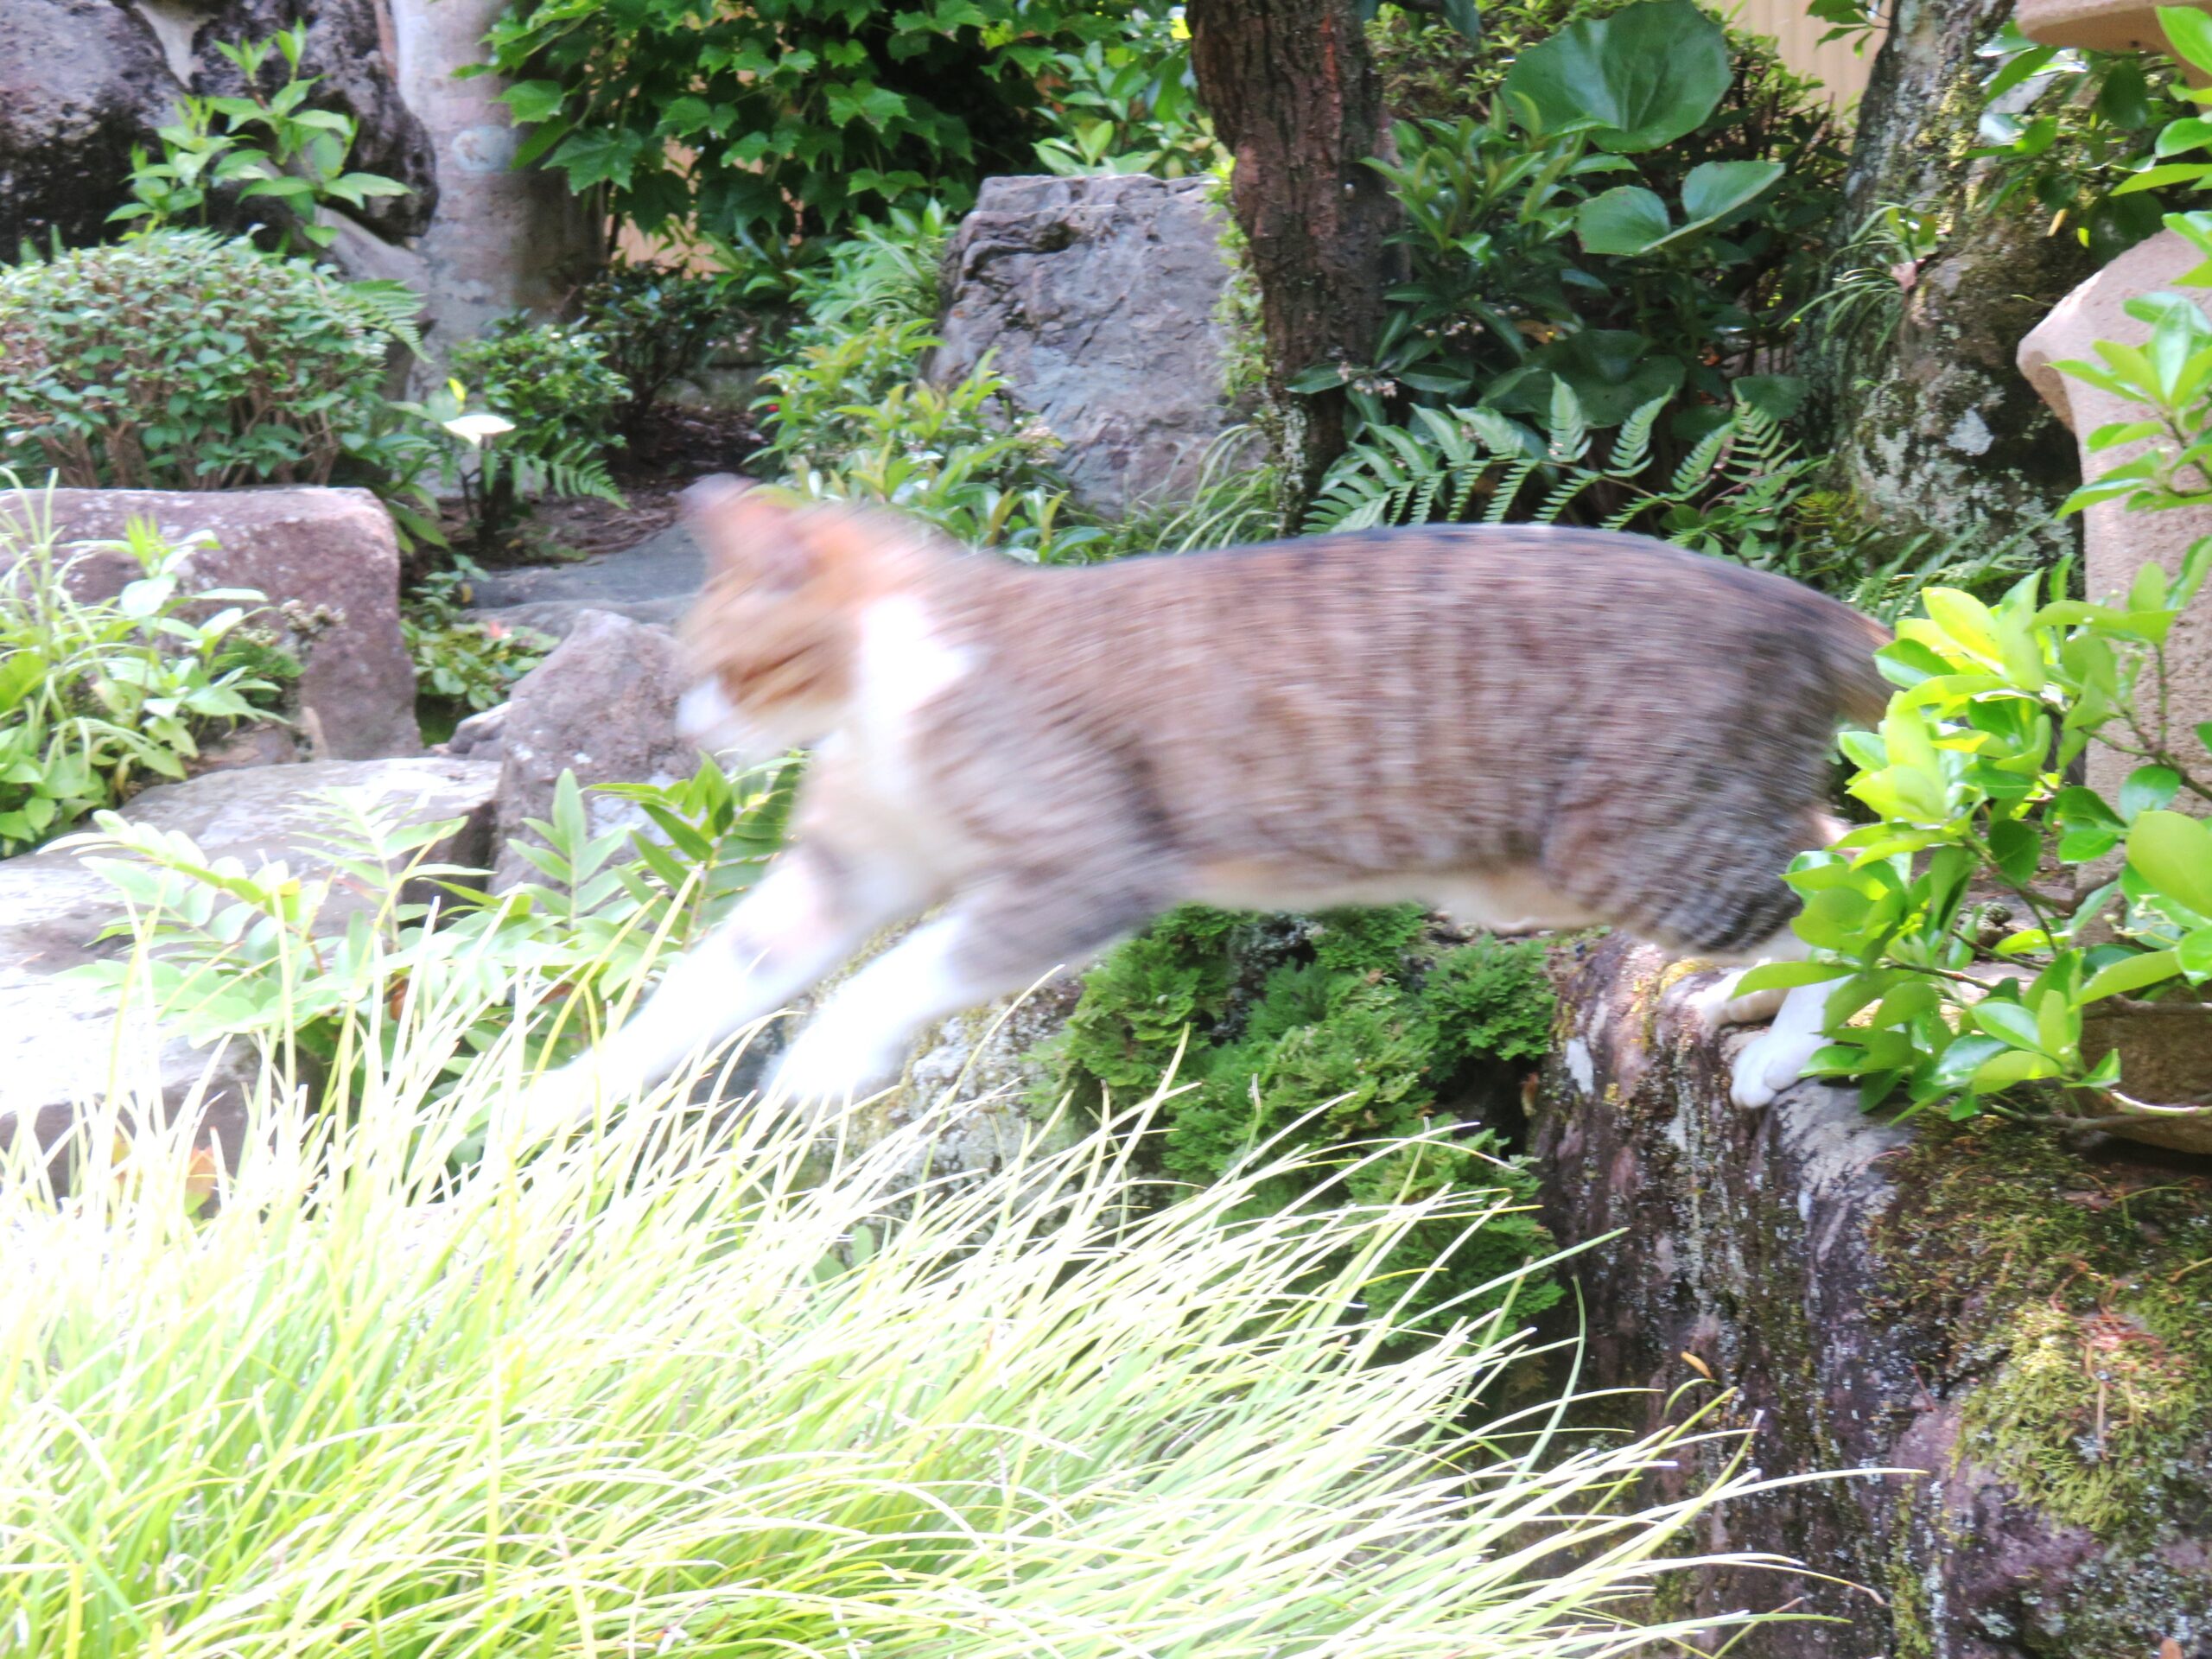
[328, 564]
[81, 81]
[1099, 297]
[65, 1044]
[603, 706]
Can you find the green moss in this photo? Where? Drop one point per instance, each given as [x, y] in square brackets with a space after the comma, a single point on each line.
[1912, 1626]
[2079, 1297]
[1344, 1034]
[258, 653]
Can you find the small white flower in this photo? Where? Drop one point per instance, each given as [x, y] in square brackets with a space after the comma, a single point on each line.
[472, 430]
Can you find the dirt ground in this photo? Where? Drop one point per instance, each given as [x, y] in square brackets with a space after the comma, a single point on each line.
[677, 446]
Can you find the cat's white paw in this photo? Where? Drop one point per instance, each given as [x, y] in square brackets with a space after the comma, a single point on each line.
[1718, 1005]
[1709, 1007]
[560, 1103]
[1770, 1063]
[825, 1064]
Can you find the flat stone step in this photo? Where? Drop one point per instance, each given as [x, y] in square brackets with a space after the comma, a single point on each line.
[651, 582]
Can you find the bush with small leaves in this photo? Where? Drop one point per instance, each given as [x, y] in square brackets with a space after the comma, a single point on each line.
[185, 360]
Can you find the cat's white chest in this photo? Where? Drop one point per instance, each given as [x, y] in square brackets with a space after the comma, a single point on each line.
[904, 666]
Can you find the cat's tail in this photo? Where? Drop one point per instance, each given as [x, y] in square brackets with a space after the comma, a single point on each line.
[1848, 645]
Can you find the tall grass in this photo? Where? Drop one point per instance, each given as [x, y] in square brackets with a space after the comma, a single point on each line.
[754, 1392]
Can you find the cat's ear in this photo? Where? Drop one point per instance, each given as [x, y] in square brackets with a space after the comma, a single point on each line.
[748, 533]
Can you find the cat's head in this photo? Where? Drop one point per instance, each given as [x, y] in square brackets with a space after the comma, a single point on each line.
[772, 640]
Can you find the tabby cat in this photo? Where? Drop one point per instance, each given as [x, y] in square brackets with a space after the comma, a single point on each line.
[1524, 727]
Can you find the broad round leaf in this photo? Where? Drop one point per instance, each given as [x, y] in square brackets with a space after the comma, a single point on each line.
[1715, 189]
[1625, 220]
[1647, 76]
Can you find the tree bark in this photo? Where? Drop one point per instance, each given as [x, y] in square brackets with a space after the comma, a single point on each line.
[1936, 429]
[1295, 98]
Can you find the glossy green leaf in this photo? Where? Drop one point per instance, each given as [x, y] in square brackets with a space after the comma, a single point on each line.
[1645, 76]
[1626, 219]
[2173, 853]
[2131, 974]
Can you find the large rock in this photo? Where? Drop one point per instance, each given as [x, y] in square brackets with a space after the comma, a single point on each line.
[64, 1044]
[352, 51]
[1100, 300]
[2025, 1325]
[603, 706]
[327, 561]
[81, 82]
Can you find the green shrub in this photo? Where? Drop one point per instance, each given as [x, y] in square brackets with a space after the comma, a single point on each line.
[698, 1391]
[551, 380]
[884, 271]
[182, 361]
[1967, 954]
[98, 696]
[849, 416]
[463, 665]
[549, 405]
[270, 151]
[1128, 103]
[749, 124]
[1353, 1037]
[2093, 148]
[1666, 262]
[654, 323]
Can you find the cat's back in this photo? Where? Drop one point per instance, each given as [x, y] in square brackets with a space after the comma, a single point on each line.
[1538, 615]
[1646, 729]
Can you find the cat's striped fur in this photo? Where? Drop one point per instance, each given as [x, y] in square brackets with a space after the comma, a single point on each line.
[1526, 728]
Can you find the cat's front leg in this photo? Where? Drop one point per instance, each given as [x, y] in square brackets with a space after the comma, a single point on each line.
[1001, 939]
[809, 914]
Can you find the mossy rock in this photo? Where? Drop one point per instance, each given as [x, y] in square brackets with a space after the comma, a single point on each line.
[2029, 1324]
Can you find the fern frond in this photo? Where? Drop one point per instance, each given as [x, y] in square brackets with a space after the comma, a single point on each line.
[1632, 443]
[1504, 436]
[1562, 496]
[1698, 464]
[390, 308]
[1464, 482]
[1569, 436]
[1509, 484]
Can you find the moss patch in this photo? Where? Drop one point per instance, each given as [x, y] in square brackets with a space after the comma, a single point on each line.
[2076, 1295]
[1341, 1034]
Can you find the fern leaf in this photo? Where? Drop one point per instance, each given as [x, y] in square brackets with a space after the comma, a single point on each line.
[1569, 436]
[1632, 443]
[1698, 466]
[1509, 491]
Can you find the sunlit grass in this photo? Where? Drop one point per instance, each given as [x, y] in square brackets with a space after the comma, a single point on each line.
[749, 1392]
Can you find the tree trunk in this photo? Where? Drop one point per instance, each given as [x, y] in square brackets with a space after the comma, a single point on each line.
[1936, 429]
[1295, 98]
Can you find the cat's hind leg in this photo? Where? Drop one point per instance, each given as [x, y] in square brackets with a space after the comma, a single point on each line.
[1776, 1058]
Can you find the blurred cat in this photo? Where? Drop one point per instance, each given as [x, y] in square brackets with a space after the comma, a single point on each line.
[1525, 727]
